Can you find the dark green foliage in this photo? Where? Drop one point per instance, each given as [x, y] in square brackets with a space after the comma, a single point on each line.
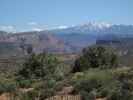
[90, 84]
[47, 89]
[23, 83]
[87, 96]
[30, 95]
[96, 57]
[7, 86]
[113, 84]
[125, 77]
[38, 66]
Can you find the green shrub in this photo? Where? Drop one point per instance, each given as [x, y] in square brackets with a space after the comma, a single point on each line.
[7, 86]
[46, 88]
[39, 66]
[96, 83]
[124, 91]
[96, 57]
[25, 96]
[114, 84]
[87, 96]
[24, 83]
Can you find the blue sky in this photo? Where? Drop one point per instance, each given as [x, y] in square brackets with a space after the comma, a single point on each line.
[22, 15]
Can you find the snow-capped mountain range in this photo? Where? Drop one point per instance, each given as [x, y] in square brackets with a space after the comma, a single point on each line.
[64, 38]
[95, 28]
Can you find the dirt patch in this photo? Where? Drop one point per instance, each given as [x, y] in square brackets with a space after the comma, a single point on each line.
[5, 96]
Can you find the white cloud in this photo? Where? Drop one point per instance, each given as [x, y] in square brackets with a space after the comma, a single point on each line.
[8, 28]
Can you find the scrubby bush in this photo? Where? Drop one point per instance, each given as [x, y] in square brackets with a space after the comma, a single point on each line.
[96, 57]
[87, 96]
[91, 82]
[24, 83]
[30, 95]
[46, 89]
[7, 86]
[113, 84]
[44, 73]
[38, 66]
[125, 77]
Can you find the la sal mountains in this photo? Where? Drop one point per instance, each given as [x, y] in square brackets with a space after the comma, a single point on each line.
[63, 40]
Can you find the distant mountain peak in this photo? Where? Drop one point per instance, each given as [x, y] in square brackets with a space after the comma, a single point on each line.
[96, 25]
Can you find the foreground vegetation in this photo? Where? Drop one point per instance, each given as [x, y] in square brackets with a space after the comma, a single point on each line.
[96, 73]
